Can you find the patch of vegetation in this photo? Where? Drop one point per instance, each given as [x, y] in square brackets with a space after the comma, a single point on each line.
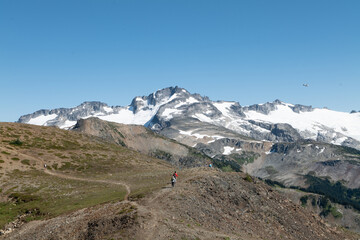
[55, 166]
[271, 170]
[336, 192]
[137, 196]
[244, 157]
[68, 166]
[235, 160]
[327, 208]
[25, 162]
[23, 197]
[313, 201]
[15, 159]
[60, 155]
[226, 165]
[227, 168]
[304, 200]
[353, 162]
[2, 161]
[197, 154]
[274, 183]
[52, 196]
[248, 178]
[95, 159]
[162, 155]
[348, 150]
[16, 142]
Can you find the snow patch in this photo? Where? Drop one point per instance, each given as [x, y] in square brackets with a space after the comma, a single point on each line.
[41, 120]
[68, 124]
[203, 118]
[228, 150]
[224, 107]
[312, 122]
[108, 109]
[168, 113]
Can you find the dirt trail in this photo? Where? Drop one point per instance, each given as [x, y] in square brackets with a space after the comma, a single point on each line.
[155, 221]
[64, 176]
[161, 224]
[61, 175]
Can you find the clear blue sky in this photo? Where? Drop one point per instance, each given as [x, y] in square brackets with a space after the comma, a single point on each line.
[60, 53]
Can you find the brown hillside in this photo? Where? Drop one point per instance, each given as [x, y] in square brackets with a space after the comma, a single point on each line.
[93, 189]
[82, 171]
[143, 140]
[205, 204]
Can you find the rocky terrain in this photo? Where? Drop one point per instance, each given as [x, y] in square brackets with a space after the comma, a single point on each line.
[143, 140]
[93, 188]
[288, 163]
[205, 204]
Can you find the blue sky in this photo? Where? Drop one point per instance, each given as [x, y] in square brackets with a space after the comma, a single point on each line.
[60, 53]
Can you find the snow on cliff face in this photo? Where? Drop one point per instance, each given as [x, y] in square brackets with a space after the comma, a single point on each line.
[141, 110]
[274, 121]
[312, 122]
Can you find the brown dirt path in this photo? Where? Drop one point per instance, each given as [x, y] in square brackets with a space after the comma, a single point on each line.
[61, 175]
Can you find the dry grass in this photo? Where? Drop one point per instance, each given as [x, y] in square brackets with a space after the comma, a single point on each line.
[24, 149]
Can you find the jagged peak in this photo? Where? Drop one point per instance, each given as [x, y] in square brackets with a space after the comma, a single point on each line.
[92, 103]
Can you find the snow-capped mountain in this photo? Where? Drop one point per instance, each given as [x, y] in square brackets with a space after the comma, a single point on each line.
[179, 114]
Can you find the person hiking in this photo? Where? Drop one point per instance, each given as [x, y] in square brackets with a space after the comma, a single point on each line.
[173, 179]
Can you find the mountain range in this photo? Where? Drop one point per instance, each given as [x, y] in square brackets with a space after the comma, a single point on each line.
[178, 113]
[278, 141]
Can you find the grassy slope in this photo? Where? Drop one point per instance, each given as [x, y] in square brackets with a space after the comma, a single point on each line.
[25, 187]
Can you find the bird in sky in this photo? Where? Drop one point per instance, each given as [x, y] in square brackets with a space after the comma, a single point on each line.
[305, 84]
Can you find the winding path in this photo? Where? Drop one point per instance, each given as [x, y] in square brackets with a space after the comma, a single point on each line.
[61, 175]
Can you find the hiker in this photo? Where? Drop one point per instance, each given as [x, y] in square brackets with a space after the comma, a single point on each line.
[173, 179]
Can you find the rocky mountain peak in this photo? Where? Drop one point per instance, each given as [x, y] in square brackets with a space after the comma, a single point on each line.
[264, 108]
[158, 97]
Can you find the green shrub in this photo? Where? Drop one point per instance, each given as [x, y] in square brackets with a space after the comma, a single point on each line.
[304, 200]
[336, 192]
[15, 159]
[25, 162]
[335, 212]
[248, 178]
[16, 142]
[227, 168]
[23, 198]
[274, 183]
[313, 201]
